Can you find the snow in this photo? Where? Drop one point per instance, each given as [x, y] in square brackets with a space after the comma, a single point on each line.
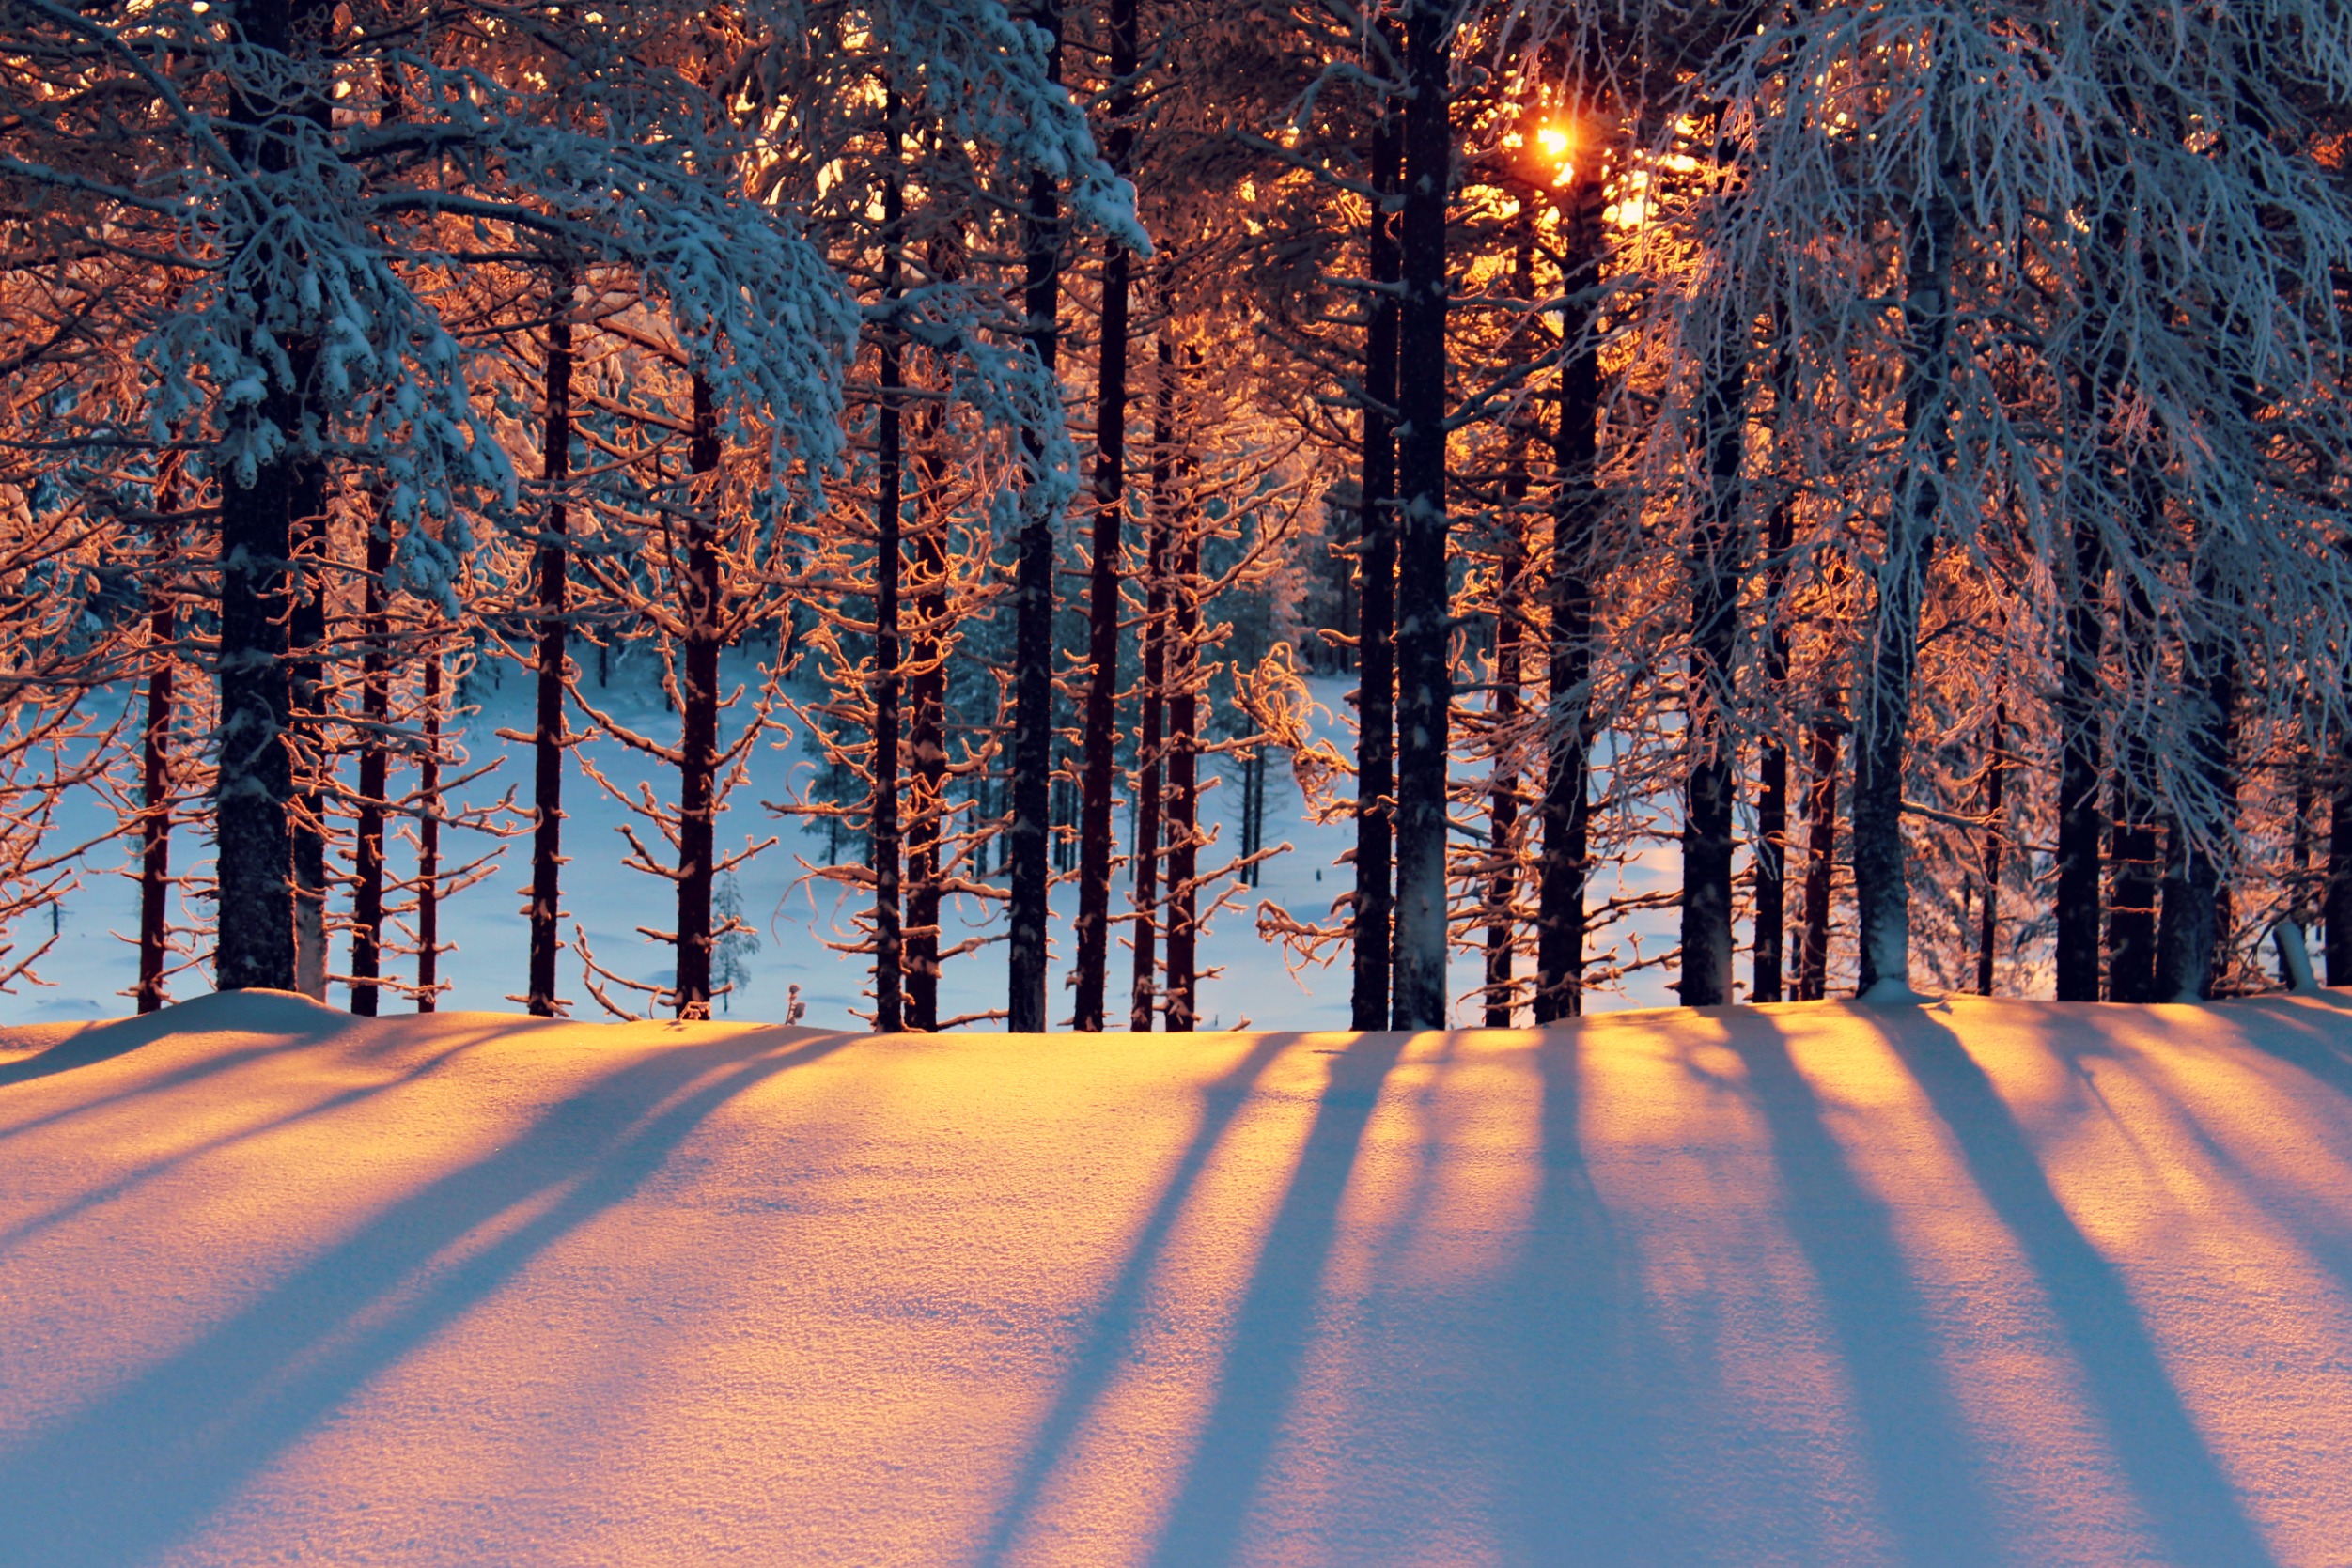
[91, 971]
[1972, 1283]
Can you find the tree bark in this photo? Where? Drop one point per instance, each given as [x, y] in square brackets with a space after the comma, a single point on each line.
[1575, 525]
[1813, 956]
[2337, 910]
[698, 725]
[2082, 761]
[1772, 840]
[254, 777]
[1101, 741]
[1149, 764]
[428, 843]
[1996, 773]
[2194, 909]
[1881, 888]
[927, 702]
[1504, 807]
[1425, 677]
[548, 739]
[374, 770]
[1374, 914]
[155, 770]
[1180, 1007]
[1027, 834]
[882, 844]
[1709, 787]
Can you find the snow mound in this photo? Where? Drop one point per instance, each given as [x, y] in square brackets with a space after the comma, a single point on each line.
[1975, 1283]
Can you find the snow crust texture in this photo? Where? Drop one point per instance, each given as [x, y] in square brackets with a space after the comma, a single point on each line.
[1971, 1284]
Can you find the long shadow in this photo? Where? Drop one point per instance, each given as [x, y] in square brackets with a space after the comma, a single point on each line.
[1588, 1480]
[132, 1180]
[123, 1478]
[1925, 1463]
[1271, 1333]
[2187, 1499]
[289, 1021]
[1117, 1319]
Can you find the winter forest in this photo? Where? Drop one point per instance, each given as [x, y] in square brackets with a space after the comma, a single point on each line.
[1882, 462]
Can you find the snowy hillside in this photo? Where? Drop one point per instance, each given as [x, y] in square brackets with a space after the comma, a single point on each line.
[1981, 1283]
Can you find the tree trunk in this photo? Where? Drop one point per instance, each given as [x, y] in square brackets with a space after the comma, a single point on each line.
[1575, 522]
[2337, 910]
[254, 777]
[1181, 1008]
[1102, 652]
[2193, 924]
[1027, 834]
[927, 702]
[1812, 957]
[1504, 807]
[1996, 773]
[1425, 677]
[375, 711]
[698, 727]
[428, 843]
[155, 770]
[548, 741]
[2136, 877]
[1708, 693]
[1374, 914]
[883, 846]
[1772, 840]
[2081, 761]
[307, 695]
[1149, 765]
[1881, 888]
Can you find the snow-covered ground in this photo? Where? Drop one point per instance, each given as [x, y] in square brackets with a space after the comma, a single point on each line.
[91, 969]
[1974, 1283]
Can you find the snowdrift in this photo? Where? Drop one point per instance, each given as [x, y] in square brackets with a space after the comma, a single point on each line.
[1976, 1282]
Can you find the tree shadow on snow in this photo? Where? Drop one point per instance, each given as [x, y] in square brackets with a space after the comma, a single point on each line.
[124, 1477]
[2189, 1503]
[1272, 1329]
[1926, 1466]
[1117, 1319]
[291, 1020]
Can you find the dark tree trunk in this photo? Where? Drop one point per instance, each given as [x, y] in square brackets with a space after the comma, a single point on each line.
[927, 702]
[1425, 677]
[1575, 522]
[883, 846]
[698, 728]
[2337, 910]
[1504, 809]
[1181, 1008]
[2136, 877]
[1708, 693]
[2191, 936]
[1102, 652]
[1144, 1000]
[254, 776]
[1374, 914]
[1027, 833]
[428, 843]
[155, 770]
[1996, 774]
[2082, 761]
[1812, 954]
[307, 696]
[374, 772]
[1771, 844]
[548, 741]
[1881, 887]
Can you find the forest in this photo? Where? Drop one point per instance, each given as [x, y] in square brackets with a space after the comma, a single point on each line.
[1885, 462]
